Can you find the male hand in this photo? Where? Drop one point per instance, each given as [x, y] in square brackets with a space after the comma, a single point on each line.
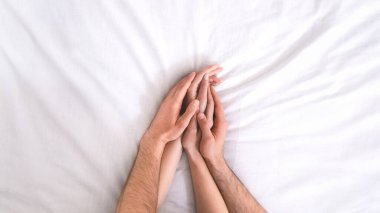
[235, 195]
[168, 124]
[212, 142]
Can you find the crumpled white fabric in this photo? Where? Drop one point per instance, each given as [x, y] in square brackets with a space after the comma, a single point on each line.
[80, 82]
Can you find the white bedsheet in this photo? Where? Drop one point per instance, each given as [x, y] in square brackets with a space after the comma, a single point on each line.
[81, 80]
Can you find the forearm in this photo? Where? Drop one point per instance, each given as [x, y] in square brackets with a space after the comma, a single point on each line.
[169, 162]
[140, 193]
[235, 194]
[207, 195]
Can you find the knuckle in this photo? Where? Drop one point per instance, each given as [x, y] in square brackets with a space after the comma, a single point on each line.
[165, 136]
[203, 119]
[191, 94]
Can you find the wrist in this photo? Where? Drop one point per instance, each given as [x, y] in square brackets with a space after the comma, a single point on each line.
[150, 136]
[191, 151]
[193, 154]
[215, 162]
[150, 145]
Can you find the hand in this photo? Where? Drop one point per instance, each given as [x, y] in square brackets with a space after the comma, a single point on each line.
[214, 80]
[191, 136]
[212, 142]
[168, 124]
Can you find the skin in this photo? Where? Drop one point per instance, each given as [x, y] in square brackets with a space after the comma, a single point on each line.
[216, 187]
[141, 190]
[169, 162]
[207, 196]
[235, 194]
[173, 150]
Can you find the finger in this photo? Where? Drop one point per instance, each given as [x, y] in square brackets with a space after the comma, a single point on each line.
[192, 125]
[191, 129]
[202, 93]
[210, 108]
[182, 85]
[215, 83]
[214, 79]
[184, 120]
[192, 92]
[177, 94]
[202, 122]
[209, 68]
[219, 121]
[215, 71]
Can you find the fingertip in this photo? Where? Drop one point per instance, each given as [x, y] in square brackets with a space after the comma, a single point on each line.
[215, 81]
[212, 83]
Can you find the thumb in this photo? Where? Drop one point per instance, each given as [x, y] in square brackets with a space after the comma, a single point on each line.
[204, 125]
[185, 119]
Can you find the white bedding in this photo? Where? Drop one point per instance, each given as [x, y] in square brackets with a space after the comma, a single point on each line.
[81, 80]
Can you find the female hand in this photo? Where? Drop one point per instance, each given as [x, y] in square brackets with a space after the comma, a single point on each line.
[212, 142]
[191, 136]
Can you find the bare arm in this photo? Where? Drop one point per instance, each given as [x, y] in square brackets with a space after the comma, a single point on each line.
[169, 163]
[140, 194]
[207, 196]
[141, 190]
[235, 194]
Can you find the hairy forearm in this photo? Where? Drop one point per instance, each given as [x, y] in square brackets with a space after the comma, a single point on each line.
[207, 195]
[140, 193]
[235, 194]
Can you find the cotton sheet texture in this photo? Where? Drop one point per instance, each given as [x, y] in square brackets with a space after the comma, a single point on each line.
[80, 82]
